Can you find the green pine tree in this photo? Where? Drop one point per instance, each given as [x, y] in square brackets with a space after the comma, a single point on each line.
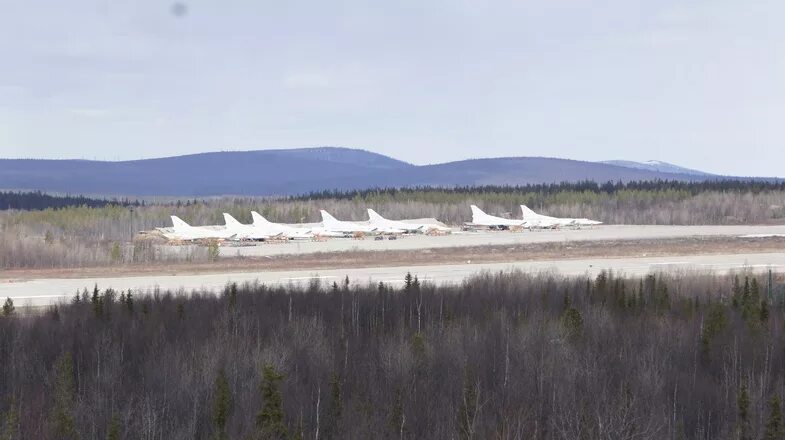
[680, 434]
[397, 419]
[222, 405]
[232, 295]
[11, 429]
[774, 425]
[715, 323]
[764, 311]
[467, 409]
[743, 417]
[572, 322]
[64, 425]
[270, 422]
[418, 347]
[129, 302]
[113, 433]
[407, 282]
[332, 428]
[116, 253]
[8, 307]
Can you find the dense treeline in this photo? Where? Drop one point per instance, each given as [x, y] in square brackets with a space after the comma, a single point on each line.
[507, 356]
[692, 188]
[36, 200]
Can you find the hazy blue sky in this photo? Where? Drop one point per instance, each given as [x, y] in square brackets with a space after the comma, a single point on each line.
[698, 83]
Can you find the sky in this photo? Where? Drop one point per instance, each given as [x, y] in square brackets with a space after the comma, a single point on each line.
[692, 82]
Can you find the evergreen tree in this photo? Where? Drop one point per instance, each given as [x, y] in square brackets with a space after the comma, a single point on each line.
[64, 425]
[774, 425]
[467, 409]
[407, 282]
[736, 289]
[113, 433]
[754, 291]
[713, 326]
[745, 299]
[764, 311]
[332, 428]
[680, 434]
[743, 417]
[181, 311]
[418, 347]
[232, 295]
[8, 307]
[98, 302]
[213, 250]
[11, 429]
[222, 405]
[572, 322]
[270, 422]
[116, 254]
[129, 302]
[397, 419]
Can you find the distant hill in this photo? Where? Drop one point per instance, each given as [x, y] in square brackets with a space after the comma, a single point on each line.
[286, 172]
[656, 165]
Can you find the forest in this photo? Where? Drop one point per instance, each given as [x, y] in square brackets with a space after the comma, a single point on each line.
[500, 356]
[754, 186]
[78, 236]
[36, 200]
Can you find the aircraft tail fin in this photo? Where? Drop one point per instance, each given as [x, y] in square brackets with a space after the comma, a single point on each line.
[258, 220]
[477, 213]
[178, 223]
[527, 212]
[327, 218]
[374, 216]
[231, 221]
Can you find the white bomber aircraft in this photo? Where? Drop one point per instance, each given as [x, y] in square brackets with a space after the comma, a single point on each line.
[330, 225]
[383, 224]
[290, 232]
[184, 231]
[480, 218]
[248, 232]
[539, 219]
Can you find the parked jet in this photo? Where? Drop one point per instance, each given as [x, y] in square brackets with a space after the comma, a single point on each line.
[382, 223]
[331, 224]
[183, 231]
[290, 232]
[248, 232]
[533, 218]
[480, 218]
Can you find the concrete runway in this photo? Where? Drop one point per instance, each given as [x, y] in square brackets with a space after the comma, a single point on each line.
[48, 291]
[599, 233]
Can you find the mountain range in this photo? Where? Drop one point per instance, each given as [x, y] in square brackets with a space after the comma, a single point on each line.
[297, 171]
